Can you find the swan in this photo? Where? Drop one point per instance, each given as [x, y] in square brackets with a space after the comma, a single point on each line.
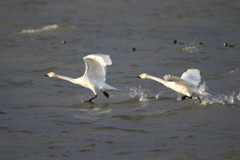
[186, 85]
[94, 76]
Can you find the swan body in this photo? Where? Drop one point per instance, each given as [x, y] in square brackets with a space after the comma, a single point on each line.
[95, 74]
[186, 85]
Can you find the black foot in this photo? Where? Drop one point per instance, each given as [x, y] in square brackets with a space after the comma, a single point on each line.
[106, 94]
[199, 99]
[184, 97]
[90, 100]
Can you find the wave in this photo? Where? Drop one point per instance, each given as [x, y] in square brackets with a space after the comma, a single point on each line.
[43, 29]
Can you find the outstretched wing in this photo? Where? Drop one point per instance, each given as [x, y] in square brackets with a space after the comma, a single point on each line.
[177, 80]
[192, 76]
[96, 66]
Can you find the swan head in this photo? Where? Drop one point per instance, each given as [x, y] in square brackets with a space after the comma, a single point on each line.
[51, 74]
[143, 76]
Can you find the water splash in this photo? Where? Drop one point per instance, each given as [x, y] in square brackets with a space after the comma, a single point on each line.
[222, 99]
[193, 48]
[238, 96]
[219, 98]
[145, 95]
[138, 93]
[203, 86]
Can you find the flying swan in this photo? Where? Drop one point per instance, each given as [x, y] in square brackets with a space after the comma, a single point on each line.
[94, 76]
[186, 85]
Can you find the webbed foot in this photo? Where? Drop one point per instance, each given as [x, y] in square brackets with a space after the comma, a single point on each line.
[106, 94]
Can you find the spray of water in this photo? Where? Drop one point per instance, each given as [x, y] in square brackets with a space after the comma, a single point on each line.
[230, 99]
[193, 48]
[238, 96]
[138, 93]
[144, 95]
[203, 86]
[147, 94]
[222, 99]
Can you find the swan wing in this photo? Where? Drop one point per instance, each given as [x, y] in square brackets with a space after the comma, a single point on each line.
[96, 66]
[192, 76]
[178, 80]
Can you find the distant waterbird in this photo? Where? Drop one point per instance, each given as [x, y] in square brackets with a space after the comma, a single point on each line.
[227, 45]
[176, 42]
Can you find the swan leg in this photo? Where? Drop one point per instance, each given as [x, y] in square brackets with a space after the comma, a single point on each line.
[106, 94]
[90, 100]
[199, 99]
[184, 97]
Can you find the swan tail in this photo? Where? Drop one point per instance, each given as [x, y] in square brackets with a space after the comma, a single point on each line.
[206, 94]
[113, 88]
[107, 88]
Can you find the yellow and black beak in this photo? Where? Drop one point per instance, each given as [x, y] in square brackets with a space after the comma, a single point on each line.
[46, 75]
[140, 76]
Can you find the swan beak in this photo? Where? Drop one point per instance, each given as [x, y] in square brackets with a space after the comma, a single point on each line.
[46, 75]
[138, 77]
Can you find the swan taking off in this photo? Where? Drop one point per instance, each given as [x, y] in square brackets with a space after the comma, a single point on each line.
[186, 85]
[94, 76]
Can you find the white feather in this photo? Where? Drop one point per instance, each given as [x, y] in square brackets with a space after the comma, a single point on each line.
[192, 76]
[96, 66]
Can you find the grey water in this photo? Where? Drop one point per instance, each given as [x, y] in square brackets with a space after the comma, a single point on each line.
[46, 118]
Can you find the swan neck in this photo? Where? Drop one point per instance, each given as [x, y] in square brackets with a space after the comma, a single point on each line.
[65, 78]
[156, 79]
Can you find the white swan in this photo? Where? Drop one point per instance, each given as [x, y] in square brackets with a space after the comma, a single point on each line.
[94, 76]
[186, 85]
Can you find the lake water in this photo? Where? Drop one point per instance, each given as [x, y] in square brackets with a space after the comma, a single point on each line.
[46, 118]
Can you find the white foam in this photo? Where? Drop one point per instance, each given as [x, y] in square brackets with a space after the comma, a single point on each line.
[221, 99]
[192, 48]
[203, 86]
[142, 94]
[238, 96]
[45, 28]
[138, 93]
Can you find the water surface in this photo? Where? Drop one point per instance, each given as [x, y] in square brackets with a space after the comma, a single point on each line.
[46, 118]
